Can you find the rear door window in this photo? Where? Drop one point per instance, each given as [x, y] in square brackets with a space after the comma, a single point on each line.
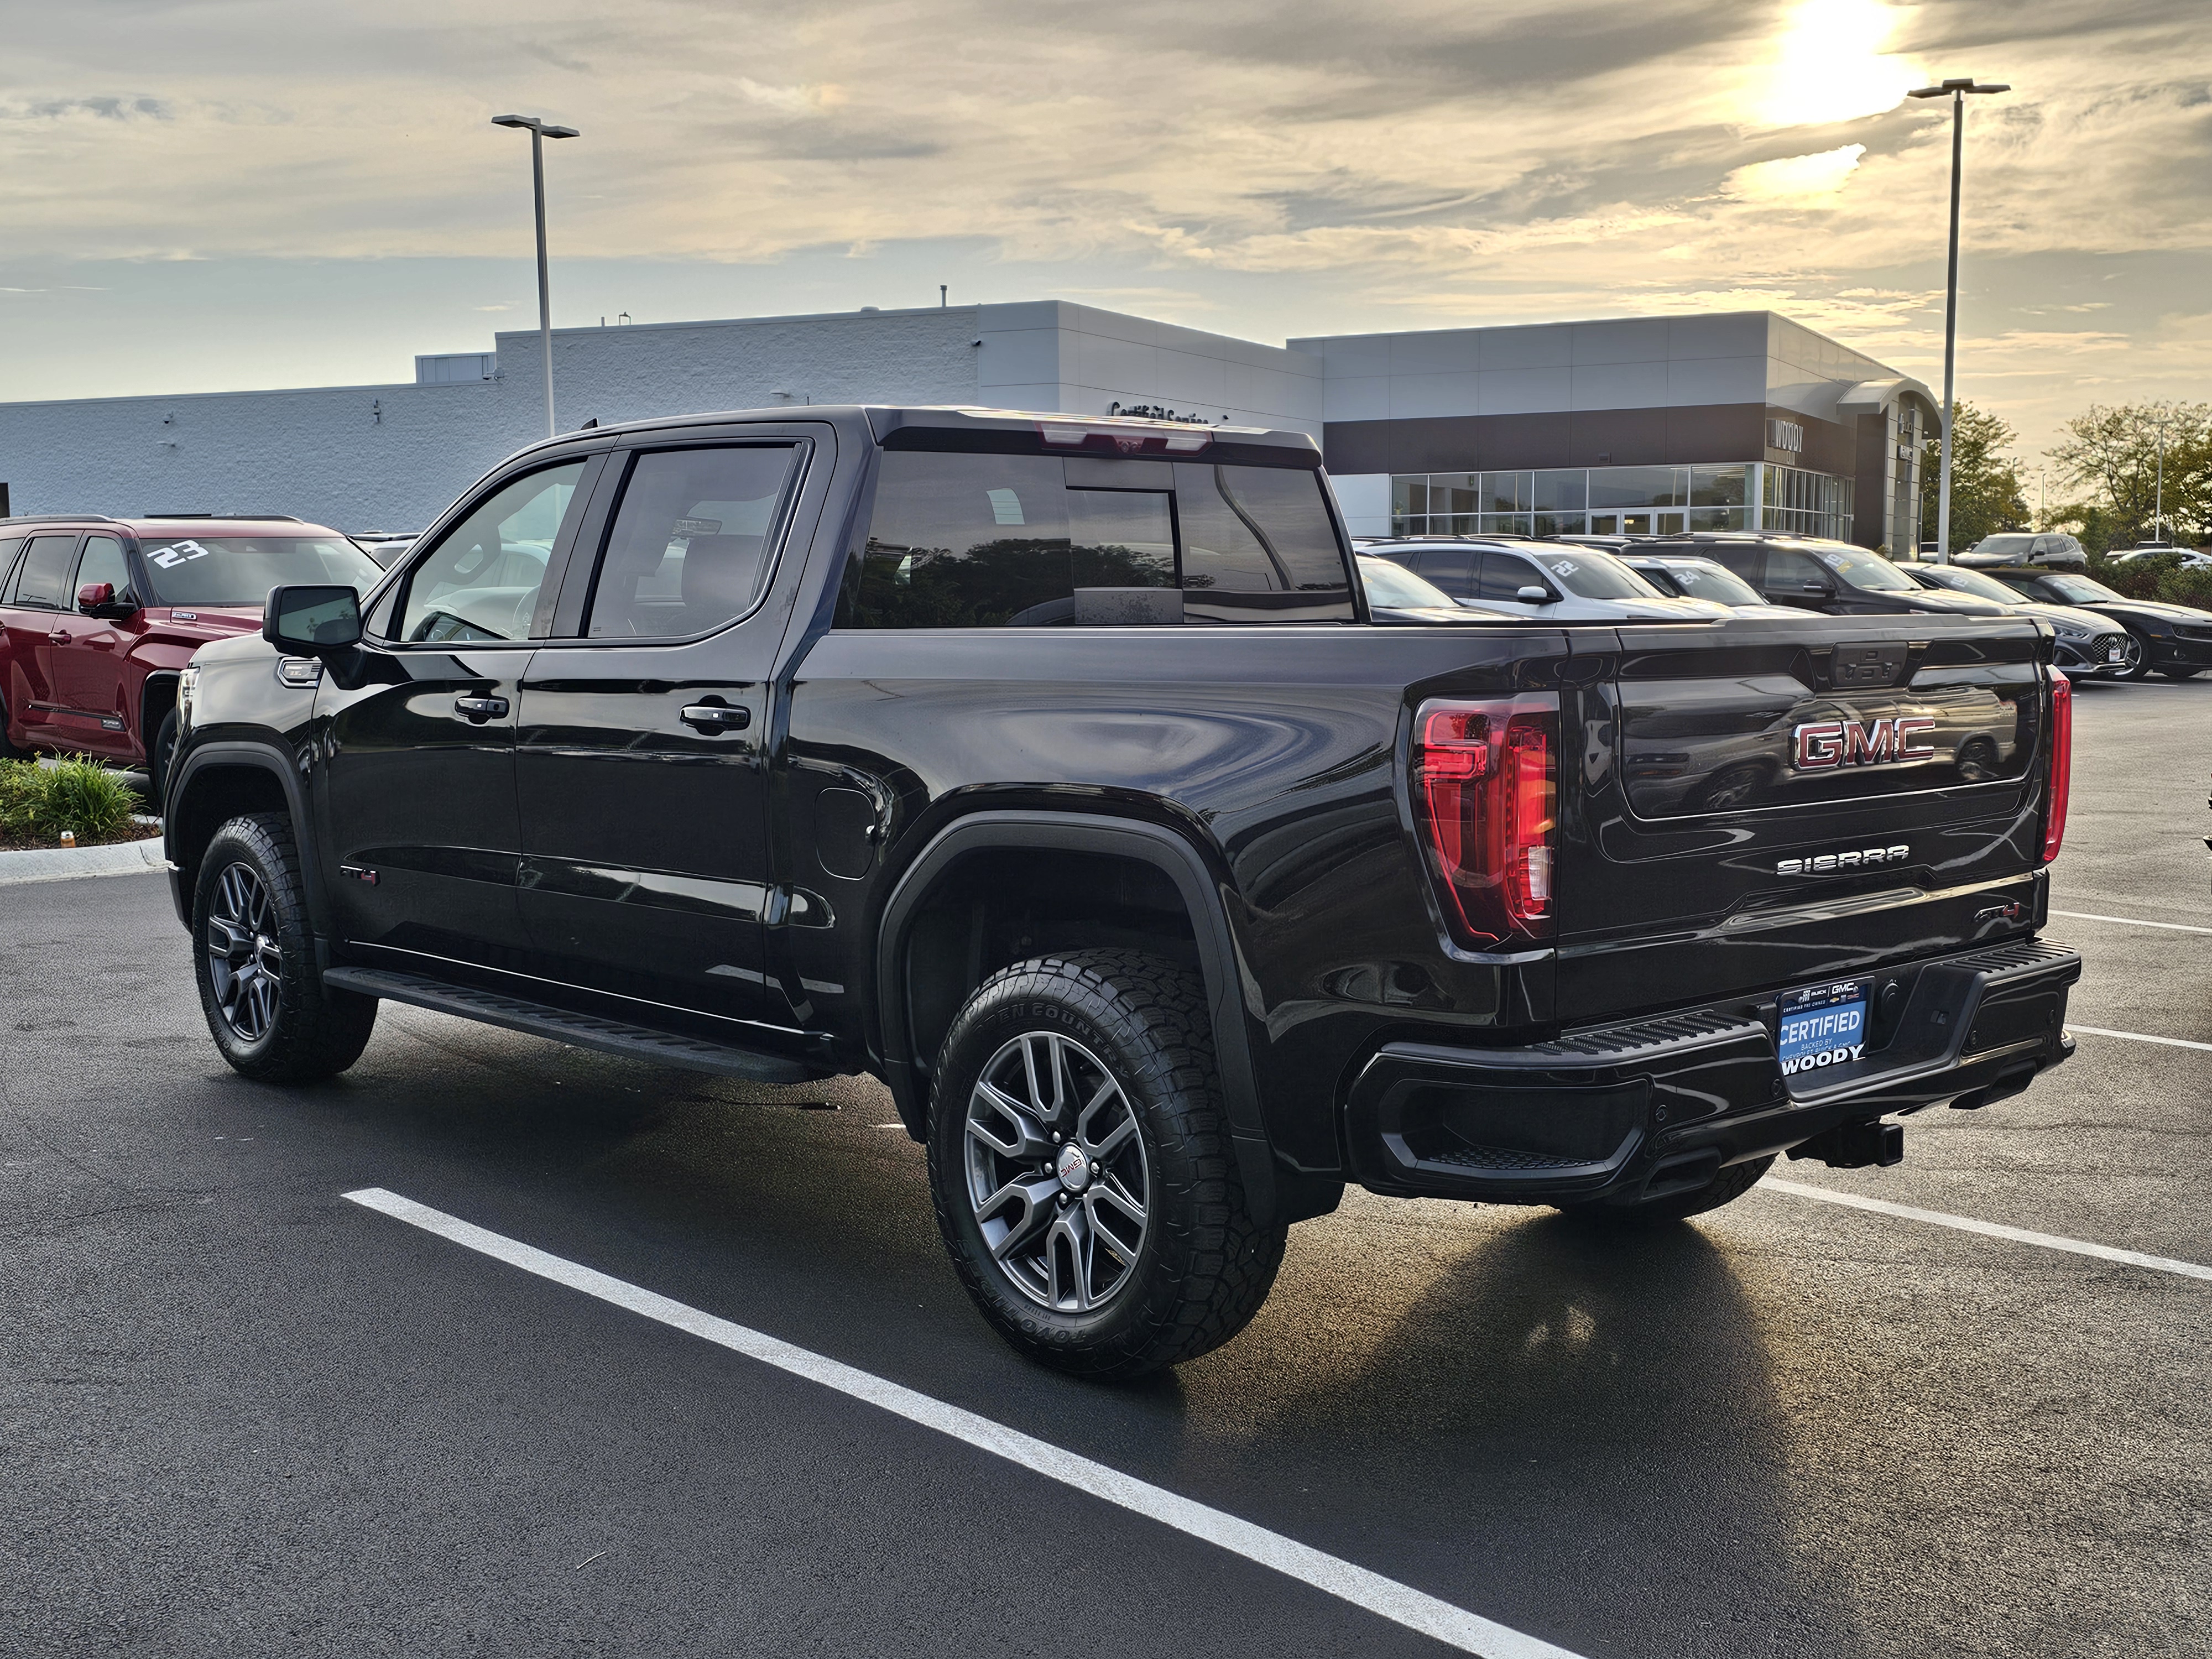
[42, 584]
[1452, 568]
[1504, 575]
[9, 549]
[969, 541]
[693, 540]
[1790, 574]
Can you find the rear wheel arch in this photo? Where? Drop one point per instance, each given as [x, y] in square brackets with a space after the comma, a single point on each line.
[1162, 875]
[218, 781]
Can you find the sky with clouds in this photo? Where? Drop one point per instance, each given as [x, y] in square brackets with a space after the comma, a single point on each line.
[200, 195]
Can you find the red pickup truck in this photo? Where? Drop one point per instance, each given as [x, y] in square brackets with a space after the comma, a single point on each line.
[98, 615]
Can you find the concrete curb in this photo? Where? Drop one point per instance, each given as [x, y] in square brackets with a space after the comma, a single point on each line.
[127, 858]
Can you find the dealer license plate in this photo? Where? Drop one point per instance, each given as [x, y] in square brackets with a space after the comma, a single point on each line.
[1822, 1025]
[2112, 652]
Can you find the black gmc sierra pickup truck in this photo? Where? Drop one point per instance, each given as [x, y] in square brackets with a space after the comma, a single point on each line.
[1053, 770]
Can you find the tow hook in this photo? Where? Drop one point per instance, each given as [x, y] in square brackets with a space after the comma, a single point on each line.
[1855, 1145]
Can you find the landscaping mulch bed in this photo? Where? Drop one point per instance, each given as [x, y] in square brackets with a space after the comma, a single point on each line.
[11, 842]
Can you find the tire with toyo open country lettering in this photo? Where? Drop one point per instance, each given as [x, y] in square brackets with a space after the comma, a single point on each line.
[1080, 1162]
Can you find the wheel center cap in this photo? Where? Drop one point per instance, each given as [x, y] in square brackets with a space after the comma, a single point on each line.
[1072, 1168]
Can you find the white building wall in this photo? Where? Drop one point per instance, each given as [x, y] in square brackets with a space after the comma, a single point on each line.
[1363, 498]
[392, 457]
[356, 458]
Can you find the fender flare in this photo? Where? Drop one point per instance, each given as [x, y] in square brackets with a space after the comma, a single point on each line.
[263, 757]
[1077, 832]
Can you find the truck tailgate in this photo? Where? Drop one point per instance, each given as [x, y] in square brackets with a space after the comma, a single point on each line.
[1759, 805]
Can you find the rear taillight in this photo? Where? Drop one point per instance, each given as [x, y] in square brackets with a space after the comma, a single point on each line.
[1485, 787]
[2062, 764]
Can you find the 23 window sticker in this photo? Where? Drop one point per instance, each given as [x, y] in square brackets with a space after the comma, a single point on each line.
[178, 553]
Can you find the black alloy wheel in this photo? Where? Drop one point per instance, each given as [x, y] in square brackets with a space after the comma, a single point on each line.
[1080, 1164]
[254, 960]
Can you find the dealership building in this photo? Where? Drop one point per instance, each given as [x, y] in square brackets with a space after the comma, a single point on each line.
[1637, 425]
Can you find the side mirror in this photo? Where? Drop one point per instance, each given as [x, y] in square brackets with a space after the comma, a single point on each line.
[99, 599]
[311, 620]
[1533, 594]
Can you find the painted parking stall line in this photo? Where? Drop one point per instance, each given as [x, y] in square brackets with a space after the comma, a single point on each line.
[1991, 1229]
[2132, 922]
[1401, 1604]
[2141, 1036]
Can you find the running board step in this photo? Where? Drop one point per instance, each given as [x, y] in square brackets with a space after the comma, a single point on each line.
[609, 1036]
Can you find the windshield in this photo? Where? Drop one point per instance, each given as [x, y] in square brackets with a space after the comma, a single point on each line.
[1864, 570]
[1969, 581]
[2003, 544]
[2079, 590]
[1701, 578]
[1392, 584]
[1589, 574]
[241, 569]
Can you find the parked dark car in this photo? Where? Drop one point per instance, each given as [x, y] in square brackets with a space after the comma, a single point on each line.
[2174, 639]
[98, 616]
[1051, 769]
[1812, 573]
[2090, 647]
[2048, 548]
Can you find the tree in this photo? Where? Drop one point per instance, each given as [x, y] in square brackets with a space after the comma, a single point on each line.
[2113, 453]
[1985, 492]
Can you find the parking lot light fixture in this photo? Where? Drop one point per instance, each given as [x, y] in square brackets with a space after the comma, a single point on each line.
[540, 131]
[1956, 90]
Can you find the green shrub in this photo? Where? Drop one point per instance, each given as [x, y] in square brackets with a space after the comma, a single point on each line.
[88, 799]
[2160, 577]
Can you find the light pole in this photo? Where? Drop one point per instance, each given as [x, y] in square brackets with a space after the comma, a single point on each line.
[2158, 513]
[539, 132]
[1958, 89]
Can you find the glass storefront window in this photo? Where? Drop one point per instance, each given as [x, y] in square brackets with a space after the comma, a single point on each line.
[1561, 491]
[1612, 501]
[1505, 492]
[1634, 486]
[1717, 486]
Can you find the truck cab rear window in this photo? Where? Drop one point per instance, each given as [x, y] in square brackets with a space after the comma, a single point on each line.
[1023, 541]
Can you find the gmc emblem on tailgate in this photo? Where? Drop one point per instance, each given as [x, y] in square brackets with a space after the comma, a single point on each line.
[1819, 744]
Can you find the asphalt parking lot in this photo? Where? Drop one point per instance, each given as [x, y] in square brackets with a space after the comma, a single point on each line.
[241, 1413]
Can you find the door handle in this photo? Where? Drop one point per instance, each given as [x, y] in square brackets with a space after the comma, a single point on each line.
[480, 709]
[59, 638]
[715, 718]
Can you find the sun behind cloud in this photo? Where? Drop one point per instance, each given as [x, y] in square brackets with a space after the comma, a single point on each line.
[1829, 65]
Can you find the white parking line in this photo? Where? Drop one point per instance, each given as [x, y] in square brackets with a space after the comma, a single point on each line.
[1991, 1229]
[2141, 1036]
[1401, 1604]
[2131, 921]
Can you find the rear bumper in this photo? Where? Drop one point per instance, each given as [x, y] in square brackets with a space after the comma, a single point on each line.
[1615, 1113]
